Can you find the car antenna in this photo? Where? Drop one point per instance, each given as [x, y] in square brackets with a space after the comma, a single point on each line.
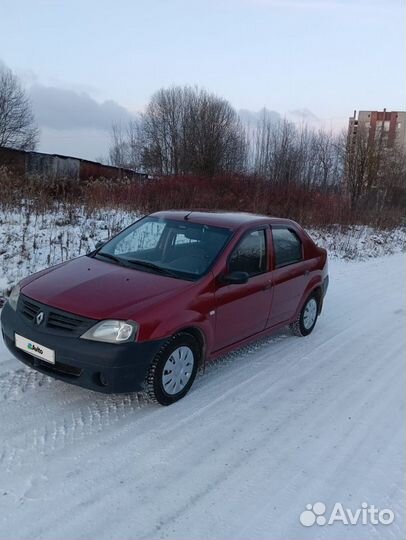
[187, 215]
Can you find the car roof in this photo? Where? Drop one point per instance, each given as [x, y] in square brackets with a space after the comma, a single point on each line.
[229, 220]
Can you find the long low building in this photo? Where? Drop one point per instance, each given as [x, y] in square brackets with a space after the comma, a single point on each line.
[59, 166]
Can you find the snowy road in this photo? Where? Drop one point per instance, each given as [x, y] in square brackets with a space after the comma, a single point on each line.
[265, 431]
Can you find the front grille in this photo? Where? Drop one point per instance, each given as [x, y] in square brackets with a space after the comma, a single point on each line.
[30, 310]
[58, 367]
[63, 369]
[54, 319]
[66, 322]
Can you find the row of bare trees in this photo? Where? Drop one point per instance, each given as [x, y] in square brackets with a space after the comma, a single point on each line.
[185, 131]
[286, 154]
[364, 167]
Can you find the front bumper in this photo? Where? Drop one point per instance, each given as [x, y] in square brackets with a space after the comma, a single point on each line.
[102, 367]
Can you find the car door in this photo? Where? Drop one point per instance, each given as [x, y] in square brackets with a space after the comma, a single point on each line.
[242, 309]
[288, 276]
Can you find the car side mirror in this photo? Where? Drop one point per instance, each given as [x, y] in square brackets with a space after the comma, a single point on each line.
[235, 278]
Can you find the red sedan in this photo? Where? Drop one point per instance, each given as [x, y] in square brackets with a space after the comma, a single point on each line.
[150, 306]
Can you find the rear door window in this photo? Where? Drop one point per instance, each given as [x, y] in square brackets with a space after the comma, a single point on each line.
[287, 246]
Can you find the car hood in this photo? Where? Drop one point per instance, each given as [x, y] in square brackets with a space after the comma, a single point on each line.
[99, 290]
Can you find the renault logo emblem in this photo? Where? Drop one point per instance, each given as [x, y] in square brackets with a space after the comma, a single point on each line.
[39, 318]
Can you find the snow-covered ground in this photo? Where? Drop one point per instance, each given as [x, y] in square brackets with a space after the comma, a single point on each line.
[30, 242]
[280, 424]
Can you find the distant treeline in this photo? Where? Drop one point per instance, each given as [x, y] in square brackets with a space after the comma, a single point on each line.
[187, 131]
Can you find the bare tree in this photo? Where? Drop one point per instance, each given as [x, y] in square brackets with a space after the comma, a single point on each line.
[287, 154]
[126, 145]
[165, 130]
[279, 150]
[392, 185]
[117, 151]
[135, 141]
[215, 139]
[17, 124]
[187, 130]
[328, 159]
[373, 170]
[358, 153]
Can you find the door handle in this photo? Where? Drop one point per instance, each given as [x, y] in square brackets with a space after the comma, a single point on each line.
[268, 285]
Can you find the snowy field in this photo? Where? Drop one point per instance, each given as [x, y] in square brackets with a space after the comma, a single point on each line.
[30, 242]
[280, 424]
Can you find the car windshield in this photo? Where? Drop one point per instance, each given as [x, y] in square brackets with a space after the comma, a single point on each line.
[175, 248]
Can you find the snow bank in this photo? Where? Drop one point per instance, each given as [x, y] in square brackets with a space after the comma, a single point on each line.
[30, 242]
[359, 242]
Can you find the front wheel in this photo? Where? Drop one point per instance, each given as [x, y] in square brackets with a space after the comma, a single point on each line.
[173, 369]
[306, 319]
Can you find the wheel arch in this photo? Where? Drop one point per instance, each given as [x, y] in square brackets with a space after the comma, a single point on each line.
[200, 337]
[317, 290]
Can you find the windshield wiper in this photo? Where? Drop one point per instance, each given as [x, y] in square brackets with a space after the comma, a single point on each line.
[111, 257]
[152, 266]
[128, 262]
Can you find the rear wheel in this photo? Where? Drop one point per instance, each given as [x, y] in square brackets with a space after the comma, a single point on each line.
[306, 319]
[173, 369]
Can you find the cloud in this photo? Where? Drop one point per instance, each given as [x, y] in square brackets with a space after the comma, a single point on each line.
[62, 109]
[300, 117]
[70, 120]
[304, 115]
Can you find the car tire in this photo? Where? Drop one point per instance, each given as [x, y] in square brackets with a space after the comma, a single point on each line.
[173, 369]
[307, 317]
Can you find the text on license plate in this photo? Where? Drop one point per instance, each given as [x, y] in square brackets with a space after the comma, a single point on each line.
[35, 349]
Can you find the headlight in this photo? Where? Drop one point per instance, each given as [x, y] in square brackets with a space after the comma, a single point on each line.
[112, 331]
[14, 296]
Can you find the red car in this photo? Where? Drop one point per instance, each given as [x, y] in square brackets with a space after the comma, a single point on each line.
[150, 306]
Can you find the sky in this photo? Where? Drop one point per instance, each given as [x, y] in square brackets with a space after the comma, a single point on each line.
[88, 63]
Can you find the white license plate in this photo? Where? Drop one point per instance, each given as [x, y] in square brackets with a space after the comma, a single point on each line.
[35, 349]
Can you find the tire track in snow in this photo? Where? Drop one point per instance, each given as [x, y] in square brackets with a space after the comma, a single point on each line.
[84, 412]
[80, 421]
[14, 384]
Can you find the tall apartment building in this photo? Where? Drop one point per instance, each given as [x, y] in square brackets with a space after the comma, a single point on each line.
[386, 126]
